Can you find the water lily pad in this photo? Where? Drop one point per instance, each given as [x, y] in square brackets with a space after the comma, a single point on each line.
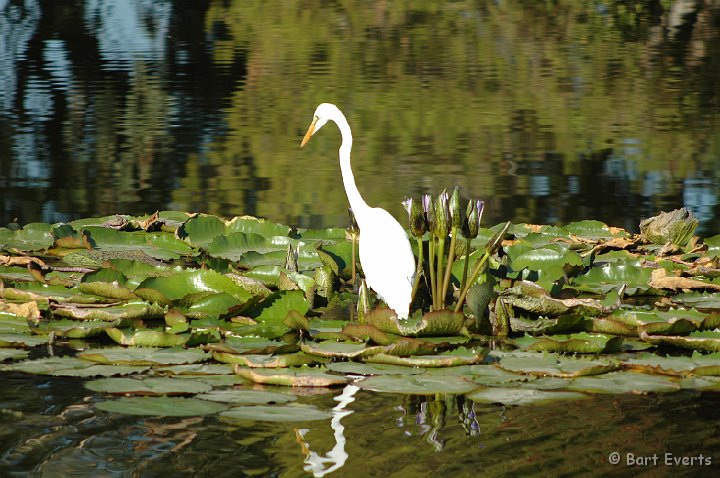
[581, 342]
[26, 239]
[356, 368]
[130, 310]
[519, 396]
[161, 406]
[148, 386]
[195, 369]
[437, 323]
[446, 359]
[624, 382]
[698, 364]
[418, 384]
[74, 329]
[232, 246]
[286, 413]
[708, 340]
[268, 361]
[144, 356]
[330, 348]
[547, 364]
[247, 396]
[70, 367]
[188, 282]
[293, 377]
[12, 354]
[146, 338]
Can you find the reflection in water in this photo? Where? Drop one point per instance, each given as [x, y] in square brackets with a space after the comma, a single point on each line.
[335, 458]
[552, 112]
[50, 427]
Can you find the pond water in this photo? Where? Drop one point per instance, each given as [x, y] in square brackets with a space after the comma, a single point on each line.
[51, 427]
[551, 113]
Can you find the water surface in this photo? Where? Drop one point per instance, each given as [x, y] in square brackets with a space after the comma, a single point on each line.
[551, 112]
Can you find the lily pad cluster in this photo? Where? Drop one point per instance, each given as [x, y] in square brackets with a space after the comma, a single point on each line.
[187, 314]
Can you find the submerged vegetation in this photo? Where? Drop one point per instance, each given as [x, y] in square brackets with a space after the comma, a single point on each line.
[177, 311]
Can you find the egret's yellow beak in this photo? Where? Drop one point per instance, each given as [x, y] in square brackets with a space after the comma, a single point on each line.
[310, 132]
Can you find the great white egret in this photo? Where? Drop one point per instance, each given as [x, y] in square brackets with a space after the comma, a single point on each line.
[385, 254]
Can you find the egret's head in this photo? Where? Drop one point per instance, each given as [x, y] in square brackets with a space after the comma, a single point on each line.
[323, 113]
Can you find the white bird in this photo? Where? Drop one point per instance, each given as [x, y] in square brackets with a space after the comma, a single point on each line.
[385, 254]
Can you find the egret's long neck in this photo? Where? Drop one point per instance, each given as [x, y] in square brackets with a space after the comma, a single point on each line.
[357, 203]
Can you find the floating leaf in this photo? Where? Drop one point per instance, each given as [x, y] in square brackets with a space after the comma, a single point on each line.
[247, 396]
[355, 368]
[706, 340]
[28, 238]
[161, 406]
[624, 382]
[437, 323]
[698, 364]
[430, 361]
[283, 414]
[268, 361]
[547, 364]
[148, 386]
[581, 342]
[418, 384]
[188, 282]
[70, 367]
[146, 338]
[516, 396]
[295, 377]
[130, 310]
[144, 356]
[12, 354]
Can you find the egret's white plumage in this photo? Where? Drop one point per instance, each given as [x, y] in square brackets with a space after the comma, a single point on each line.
[385, 254]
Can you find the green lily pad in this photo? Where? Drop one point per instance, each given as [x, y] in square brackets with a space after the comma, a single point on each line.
[547, 364]
[232, 246]
[247, 396]
[286, 413]
[292, 377]
[330, 348]
[69, 367]
[581, 342]
[437, 323]
[520, 396]
[268, 361]
[161, 406]
[698, 364]
[74, 329]
[418, 384]
[144, 356]
[130, 310]
[26, 239]
[146, 338]
[12, 354]
[356, 368]
[708, 340]
[446, 359]
[188, 282]
[624, 382]
[148, 386]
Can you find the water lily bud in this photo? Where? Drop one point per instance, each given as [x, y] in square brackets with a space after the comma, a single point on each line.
[480, 206]
[418, 224]
[455, 208]
[442, 215]
[429, 209]
[353, 226]
[470, 217]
